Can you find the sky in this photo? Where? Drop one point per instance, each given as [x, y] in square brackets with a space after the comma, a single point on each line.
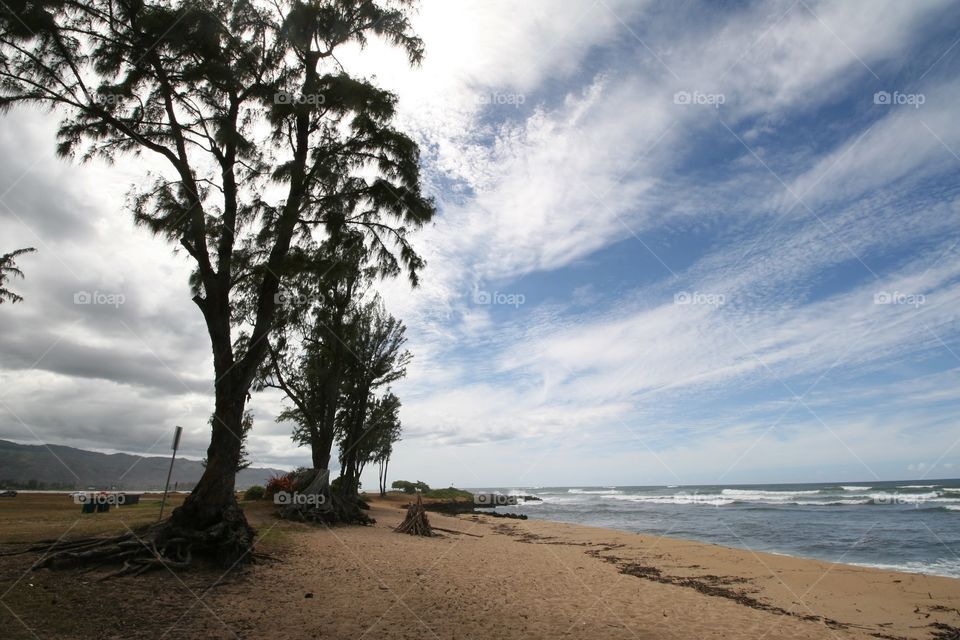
[676, 243]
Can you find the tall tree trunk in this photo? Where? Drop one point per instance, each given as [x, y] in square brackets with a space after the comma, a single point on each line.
[212, 501]
[383, 476]
[322, 444]
[215, 489]
[214, 493]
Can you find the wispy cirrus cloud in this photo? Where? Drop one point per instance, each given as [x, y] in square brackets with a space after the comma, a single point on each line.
[597, 159]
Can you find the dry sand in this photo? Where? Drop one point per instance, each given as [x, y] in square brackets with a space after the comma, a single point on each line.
[536, 579]
[509, 579]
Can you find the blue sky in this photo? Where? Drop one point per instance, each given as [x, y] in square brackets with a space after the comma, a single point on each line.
[677, 243]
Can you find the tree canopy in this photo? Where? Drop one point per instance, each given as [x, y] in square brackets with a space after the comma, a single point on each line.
[9, 270]
[269, 147]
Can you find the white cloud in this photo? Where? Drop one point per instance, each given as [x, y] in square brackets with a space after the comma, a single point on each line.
[597, 153]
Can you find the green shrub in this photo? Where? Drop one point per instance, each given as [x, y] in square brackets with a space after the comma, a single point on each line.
[449, 494]
[403, 485]
[256, 492]
[335, 485]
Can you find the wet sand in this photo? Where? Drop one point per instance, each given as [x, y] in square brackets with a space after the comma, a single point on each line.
[537, 579]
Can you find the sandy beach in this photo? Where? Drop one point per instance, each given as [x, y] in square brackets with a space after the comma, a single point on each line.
[497, 578]
[652, 307]
[534, 579]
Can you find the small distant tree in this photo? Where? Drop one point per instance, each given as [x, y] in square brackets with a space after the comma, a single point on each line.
[403, 485]
[8, 270]
[410, 487]
[256, 492]
[382, 457]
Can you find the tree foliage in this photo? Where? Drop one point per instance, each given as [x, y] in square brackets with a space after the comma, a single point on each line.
[9, 270]
[377, 360]
[410, 487]
[332, 377]
[266, 143]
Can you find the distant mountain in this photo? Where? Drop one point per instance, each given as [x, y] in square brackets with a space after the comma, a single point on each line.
[58, 467]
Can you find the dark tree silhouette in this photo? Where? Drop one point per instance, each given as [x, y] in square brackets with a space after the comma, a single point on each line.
[377, 360]
[246, 425]
[309, 351]
[349, 350]
[267, 141]
[386, 428]
[8, 270]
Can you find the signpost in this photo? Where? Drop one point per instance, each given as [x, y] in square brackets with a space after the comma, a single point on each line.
[166, 487]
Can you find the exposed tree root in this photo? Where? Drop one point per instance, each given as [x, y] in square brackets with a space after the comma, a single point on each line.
[163, 545]
[313, 501]
[340, 511]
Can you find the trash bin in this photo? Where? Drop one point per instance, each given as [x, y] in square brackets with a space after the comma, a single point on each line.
[103, 506]
[88, 507]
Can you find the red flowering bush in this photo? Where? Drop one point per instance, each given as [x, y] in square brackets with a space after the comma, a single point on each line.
[279, 483]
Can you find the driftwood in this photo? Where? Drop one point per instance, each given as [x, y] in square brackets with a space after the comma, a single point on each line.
[416, 522]
[462, 533]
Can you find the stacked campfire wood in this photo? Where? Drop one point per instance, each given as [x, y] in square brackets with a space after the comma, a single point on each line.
[416, 523]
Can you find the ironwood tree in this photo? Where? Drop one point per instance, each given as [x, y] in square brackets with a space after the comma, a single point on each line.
[9, 270]
[377, 360]
[246, 425]
[264, 141]
[385, 422]
[345, 348]
[309, 349]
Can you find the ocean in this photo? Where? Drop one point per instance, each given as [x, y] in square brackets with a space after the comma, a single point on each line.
[910, 525]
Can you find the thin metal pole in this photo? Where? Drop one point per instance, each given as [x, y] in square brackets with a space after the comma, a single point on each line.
[166, 486]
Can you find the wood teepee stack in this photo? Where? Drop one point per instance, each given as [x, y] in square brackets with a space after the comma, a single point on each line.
[416, 523]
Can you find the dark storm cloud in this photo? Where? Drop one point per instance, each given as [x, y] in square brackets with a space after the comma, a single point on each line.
[94, 414]
[69, 358]
[107, 351]
[105, 334]
[34, 191]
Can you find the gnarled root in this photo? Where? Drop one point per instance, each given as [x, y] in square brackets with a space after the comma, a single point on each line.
[335, 511]
[165, 544]
[313, 501]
